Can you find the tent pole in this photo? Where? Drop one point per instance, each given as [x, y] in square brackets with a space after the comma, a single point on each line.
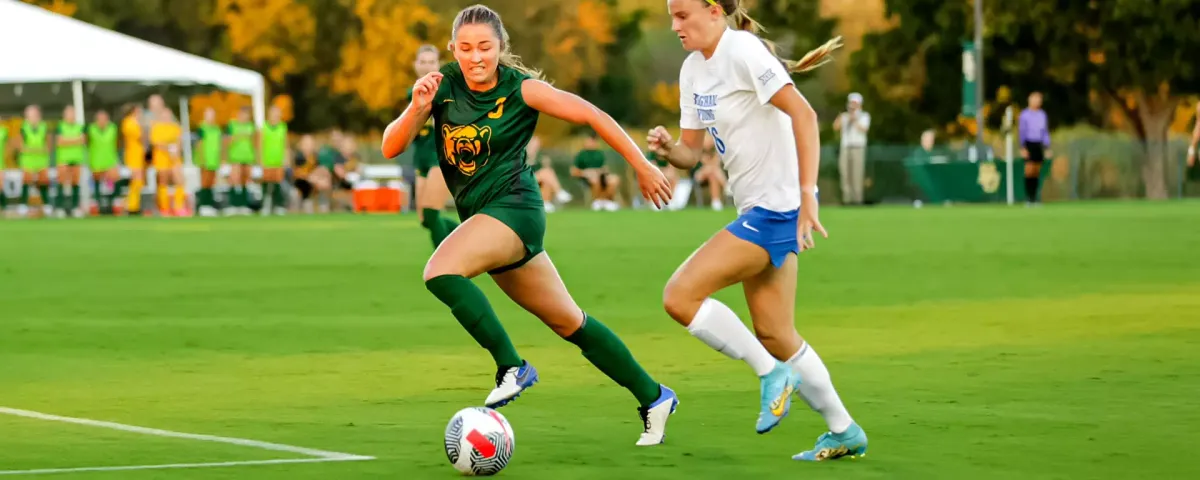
[260, 106]
[85, 187]
[186, 124]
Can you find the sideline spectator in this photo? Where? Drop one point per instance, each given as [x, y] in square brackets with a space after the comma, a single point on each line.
[853, 125]
[709, 173]
[590, 166]
[552, 190]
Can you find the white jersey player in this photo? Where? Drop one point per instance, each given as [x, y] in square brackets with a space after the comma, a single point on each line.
[733, 88]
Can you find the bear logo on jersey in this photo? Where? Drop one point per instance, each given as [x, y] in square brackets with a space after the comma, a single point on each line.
[467, 147]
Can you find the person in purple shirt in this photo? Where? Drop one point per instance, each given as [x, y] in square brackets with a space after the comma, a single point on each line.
[1035, 145]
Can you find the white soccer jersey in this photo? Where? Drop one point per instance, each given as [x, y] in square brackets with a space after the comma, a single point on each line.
[729, 96]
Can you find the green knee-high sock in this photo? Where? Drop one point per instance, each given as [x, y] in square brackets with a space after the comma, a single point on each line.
[206, 198]
[447, 227]
[602, 347]
[117, 187]
[25, 194]
[44, 192]
[3, 199]
[475, 314]
[74, 196]
[278, 200]
[429, 220]
[239, 196]
[97, 196]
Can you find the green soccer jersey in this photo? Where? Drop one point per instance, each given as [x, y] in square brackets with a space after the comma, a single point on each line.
[483, 137]
[241, 144]
[3, 145]
[102, 147]
[536, 162]
[210, 146]
[35, 150]
[424, 147]
[589, 159]
[274, 145]
[70, 154]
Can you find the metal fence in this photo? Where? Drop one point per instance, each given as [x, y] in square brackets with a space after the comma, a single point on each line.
[1100, 166]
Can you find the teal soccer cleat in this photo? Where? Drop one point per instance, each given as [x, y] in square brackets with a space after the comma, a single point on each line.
[851, 443]
[777, 388]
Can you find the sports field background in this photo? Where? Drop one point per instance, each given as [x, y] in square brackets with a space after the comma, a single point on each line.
[970, 342]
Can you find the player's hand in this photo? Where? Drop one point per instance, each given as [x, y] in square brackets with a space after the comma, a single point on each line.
[654, 185]
[1191, 161]
[425, 88]
[1025, 154]
[660, 141]
[809, 222]
[1049, 154]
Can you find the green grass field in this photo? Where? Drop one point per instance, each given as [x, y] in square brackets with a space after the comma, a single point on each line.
[970, 342]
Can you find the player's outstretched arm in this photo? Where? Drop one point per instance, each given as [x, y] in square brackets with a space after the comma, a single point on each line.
[400, 133]
[569, 107]
[544, 98]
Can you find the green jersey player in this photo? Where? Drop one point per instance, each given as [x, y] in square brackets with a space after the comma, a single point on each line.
[485, 106]
[431, 186]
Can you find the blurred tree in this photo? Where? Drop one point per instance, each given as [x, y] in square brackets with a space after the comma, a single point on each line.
[276, 37]
[911, 74]
[377, 64]
[61, 7]
[615, 88]
[798, 26]
[225, 104]
[1138, 57]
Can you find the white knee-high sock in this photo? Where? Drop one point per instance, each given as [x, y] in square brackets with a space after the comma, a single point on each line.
[718, 327]
[817, 389]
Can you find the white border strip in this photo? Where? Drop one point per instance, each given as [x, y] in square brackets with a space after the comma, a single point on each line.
[319, 455]
[45, 471]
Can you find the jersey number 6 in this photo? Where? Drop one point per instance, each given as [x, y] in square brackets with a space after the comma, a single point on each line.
[717, 140]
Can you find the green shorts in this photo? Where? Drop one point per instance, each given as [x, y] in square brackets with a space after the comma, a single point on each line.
[521, 209]
[34, 165]
[70, 162]
[102, 165]
[211, 166]
[245, 161]
[424, 160]
[528, 222]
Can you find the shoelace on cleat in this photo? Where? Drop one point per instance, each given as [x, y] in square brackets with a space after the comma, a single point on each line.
[645, 414]
[500, 374]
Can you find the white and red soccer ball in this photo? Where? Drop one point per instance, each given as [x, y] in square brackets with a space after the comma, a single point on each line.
[479, 441]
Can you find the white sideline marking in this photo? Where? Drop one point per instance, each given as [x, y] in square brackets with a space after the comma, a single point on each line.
[319, 455]
[45, 471]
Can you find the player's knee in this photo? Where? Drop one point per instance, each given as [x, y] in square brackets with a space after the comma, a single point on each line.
[432, 271]
[680, 304]
[564, 323]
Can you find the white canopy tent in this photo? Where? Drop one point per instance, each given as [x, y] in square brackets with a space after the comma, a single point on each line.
[45, 52]
[45, 55]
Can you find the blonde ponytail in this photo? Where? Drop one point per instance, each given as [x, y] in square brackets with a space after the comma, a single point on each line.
[513, 61]
[740, 19]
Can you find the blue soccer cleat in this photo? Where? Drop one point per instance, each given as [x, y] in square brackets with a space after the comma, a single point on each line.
[654, 417]
[850, 443]
[776, 389]
[510, 382]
